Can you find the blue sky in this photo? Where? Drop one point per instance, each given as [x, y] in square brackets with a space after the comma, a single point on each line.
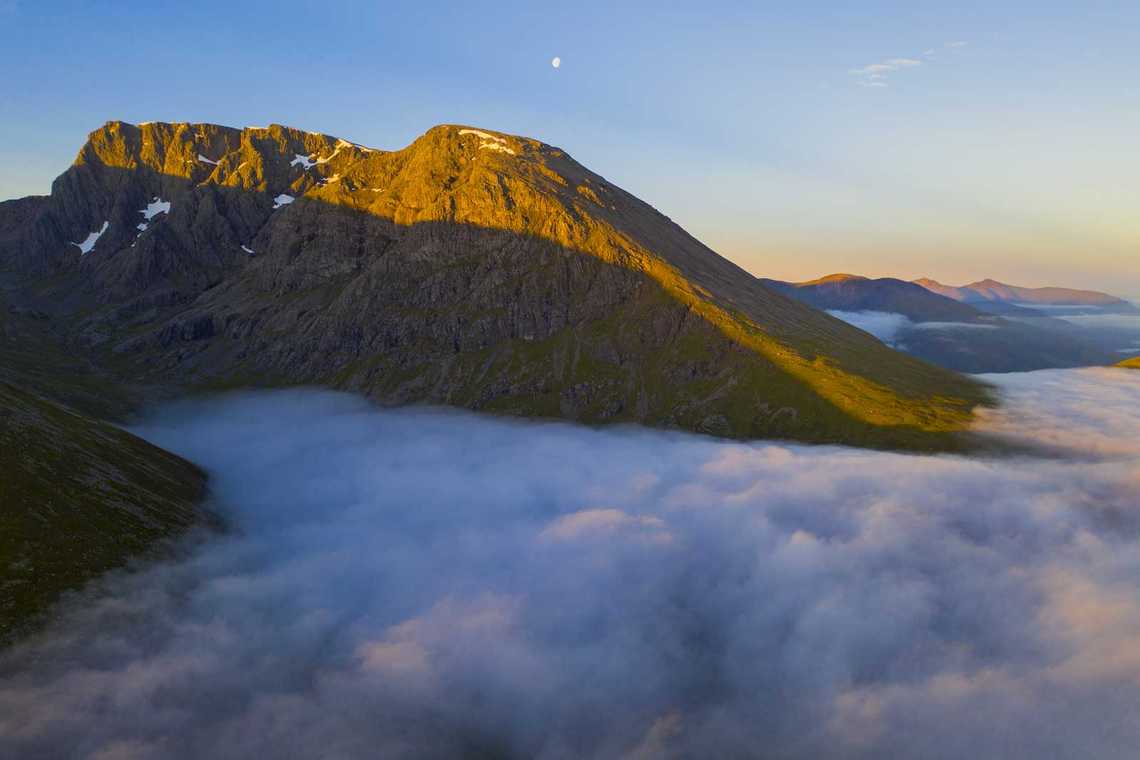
[998, 139]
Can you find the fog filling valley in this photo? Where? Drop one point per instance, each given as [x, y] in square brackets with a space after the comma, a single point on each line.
[436, 584]
[1119, 333]
[888, 325]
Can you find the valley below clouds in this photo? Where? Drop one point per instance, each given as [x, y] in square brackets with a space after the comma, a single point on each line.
[427, 583]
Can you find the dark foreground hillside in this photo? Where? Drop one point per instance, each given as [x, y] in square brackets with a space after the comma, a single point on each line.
[78, 497]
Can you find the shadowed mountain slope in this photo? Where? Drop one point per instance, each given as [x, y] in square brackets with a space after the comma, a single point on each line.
[79, 497]
[471, 268]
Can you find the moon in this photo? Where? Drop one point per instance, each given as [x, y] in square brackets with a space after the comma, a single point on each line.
[556, 62]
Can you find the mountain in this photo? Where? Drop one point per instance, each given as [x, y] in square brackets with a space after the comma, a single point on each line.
[994, 292]
[80, 497]
[1133, 363]
[949, 333]
[848, 292]
[471, 268]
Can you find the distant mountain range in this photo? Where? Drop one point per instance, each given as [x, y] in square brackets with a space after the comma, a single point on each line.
[965, 335]
[989, 292]
[848, 292]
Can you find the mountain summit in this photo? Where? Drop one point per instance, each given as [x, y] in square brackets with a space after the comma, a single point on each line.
[471, 268]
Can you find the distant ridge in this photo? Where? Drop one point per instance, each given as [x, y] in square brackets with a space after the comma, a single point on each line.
[993, 291]
[848, 292]
[971, 336]
[839, 277]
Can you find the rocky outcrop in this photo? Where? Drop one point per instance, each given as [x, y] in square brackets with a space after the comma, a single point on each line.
[471, 268]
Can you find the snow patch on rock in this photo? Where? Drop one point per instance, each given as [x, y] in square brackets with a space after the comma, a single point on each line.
[283, 200]
[481, 135]
[496, 146]
[340, 144]
[89, 243]
[489, 141]
[155, 207]
[205, 160]
[346, 144]
[307, 161]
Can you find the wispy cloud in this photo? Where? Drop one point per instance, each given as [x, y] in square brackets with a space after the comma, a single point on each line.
[877, 74]
[874, 74]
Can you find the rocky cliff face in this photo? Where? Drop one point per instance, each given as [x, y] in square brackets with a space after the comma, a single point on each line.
[471, 268]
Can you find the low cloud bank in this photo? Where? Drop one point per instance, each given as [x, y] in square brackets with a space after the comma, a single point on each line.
[888, 326]
[884, 325]
[1129, 322]
[436, 584]
[952, 326]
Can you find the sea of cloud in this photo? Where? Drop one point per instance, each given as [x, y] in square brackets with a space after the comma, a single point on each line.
[422, 583]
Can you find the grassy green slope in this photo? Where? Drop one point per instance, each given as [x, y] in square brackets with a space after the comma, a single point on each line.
[78, 497]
